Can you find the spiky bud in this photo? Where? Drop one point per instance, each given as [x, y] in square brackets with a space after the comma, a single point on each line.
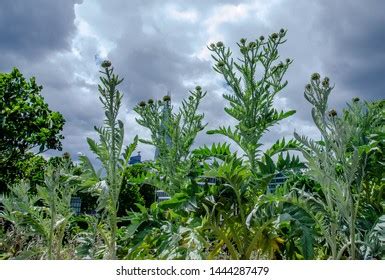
[150, 101]
[243, 50]
[142, 104]
[281, 31]
[198, 88]
[356, 99]
[308, 87]
[315, 77]
[166, 98]
[288, 60]
[325, 82]
[106, 64]
[212, 45]
[332, 113]
[261, 38]
[274, 36]
[219, 44]
[252, 45]
[220, 64]
[243, 41]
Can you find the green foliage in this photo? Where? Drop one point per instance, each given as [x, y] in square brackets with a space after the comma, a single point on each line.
[338, 164]
[254, 81]
[42, 217]
[109, 153]
[172, 134]
[26, 122]
[221, 204]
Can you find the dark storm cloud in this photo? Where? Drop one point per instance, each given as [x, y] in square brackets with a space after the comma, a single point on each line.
[31, 29]
[157, 46]
[355, 31]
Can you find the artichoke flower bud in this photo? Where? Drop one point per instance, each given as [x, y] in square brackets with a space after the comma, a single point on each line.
[220, 64]
[212, 45]
[261, 38]
[106, 64]
[243, 50]
[252, 45]
[325, 82]
[315, 76]
[356, 99]
[166, 98]
[288, 60]
[243, 41]
[274, 36]
[142, 104]
[219, 44]
[198, 88]
[332, 113]
[150, 101]
[308, 87]
[282, 31]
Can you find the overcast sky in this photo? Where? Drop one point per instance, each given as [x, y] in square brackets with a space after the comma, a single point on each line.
[160, 46]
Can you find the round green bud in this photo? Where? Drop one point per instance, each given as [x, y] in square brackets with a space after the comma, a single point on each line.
[142, 103]
[288, 60]
[220, 64]
[219, 44]
[325, 83]
[281, 31]
[198, 88]
[166, 98]
[150, 101]
[252, 45]
[332, 113]
[274, 36]
[243, 50]
[106, 64]
[356, 99]
[190, 98]
[212, 45]
[261, 38]
[315, 76]
[243, 41]
[308, 87]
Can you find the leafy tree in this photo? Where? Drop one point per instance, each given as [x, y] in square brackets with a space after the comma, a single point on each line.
[26, 122]
[109, 153]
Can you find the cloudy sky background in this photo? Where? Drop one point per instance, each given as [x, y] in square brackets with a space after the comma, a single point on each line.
[160, 46]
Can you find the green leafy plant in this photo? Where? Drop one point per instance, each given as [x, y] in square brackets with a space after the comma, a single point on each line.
[109, 153]
[43, 217]
[255, 80]
[337, 163]
[172, 134]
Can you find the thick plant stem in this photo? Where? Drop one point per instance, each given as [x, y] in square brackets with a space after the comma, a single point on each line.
[51, 231]
[113, 225]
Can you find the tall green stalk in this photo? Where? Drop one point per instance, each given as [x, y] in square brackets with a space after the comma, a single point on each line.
[172, 134]
[337, 163]
[109, 153]
[255, 80]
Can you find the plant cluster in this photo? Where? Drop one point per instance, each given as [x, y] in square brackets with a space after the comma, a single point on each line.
[222, 205]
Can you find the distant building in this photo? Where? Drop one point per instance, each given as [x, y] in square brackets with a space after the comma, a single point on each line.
[135, 159]
[76, 204]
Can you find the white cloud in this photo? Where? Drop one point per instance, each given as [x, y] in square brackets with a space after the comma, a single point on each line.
[182, 15]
